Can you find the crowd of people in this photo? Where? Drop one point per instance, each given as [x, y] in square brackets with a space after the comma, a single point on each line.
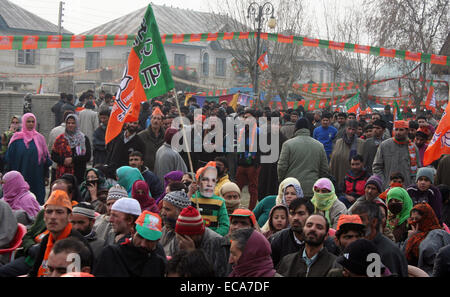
[344, 187]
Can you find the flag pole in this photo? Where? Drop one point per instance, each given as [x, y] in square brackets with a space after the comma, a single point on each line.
[185, 142]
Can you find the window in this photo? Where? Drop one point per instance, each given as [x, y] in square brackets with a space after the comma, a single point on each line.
[321, 76]
[92, 60]
[220, 67]
[180, 60]
[26, 57]
[205, 64]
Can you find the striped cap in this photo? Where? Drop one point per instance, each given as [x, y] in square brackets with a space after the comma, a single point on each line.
[190, 222]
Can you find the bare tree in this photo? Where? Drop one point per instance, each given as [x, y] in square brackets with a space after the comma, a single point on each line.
[413, 25]
[350, 25]
[285, 65]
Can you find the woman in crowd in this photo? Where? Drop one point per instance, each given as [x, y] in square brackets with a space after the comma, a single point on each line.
[399, 205]
[140, 192]
[71, 150]
[14, 126]
[288, 190]
[28, 154]
[326, 202]
[16, 192]
[127, 176]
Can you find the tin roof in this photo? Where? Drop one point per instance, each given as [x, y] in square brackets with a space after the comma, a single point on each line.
[16, 18]
[170, 20]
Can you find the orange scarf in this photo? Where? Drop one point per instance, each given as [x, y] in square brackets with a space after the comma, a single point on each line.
[412, 154]
[43, 269]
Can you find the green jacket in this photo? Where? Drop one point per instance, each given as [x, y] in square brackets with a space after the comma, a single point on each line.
[304, 158]
[213, 211]
[262, 209]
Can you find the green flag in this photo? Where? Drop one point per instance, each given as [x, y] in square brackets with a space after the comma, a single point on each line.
[147, 75]
[353, 103]
[397, 113]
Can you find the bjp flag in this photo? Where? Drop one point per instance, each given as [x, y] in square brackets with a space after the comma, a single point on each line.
[440, 144]
[147, 75]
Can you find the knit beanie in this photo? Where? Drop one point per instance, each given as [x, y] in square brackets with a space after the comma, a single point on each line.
[190, 222]
[229, 187]
[301, 123]
[376, 181]
[178, 199]
[427, 172]
[117, 192]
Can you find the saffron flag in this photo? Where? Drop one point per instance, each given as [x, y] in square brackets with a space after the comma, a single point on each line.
[263, 61]
[352, 104]
[430, 103]
[440, 143]
[146, 75]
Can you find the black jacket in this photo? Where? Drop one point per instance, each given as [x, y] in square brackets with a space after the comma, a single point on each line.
[43, 246]
[293, 265]
[126, 260]
[118, 151]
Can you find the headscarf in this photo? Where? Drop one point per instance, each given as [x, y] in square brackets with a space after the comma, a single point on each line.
[403, 196]
[16, 192]
[255, 260]
[8, 225]
[324, 201]
[127, 176]
[428, 223]
[280, 200]
[28, 135]
[146, 202]
[168, 178]
[76, 138]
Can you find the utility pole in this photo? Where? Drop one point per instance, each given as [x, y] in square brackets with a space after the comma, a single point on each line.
[57, 53]
[60, 15]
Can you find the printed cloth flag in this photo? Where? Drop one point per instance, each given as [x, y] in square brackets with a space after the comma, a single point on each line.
[397, 113]
[146, 75]
[263, 61]
[352, 104]
[440, 143]
[430, 103]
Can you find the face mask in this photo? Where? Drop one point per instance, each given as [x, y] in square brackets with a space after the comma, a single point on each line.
[232, 205]
[395, 207]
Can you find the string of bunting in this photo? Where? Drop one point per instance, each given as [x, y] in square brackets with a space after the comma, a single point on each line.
[8, 42]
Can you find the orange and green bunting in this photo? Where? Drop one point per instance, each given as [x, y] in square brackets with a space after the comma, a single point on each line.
[8, 42]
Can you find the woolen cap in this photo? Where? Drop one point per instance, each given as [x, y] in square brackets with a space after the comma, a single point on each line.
[229, 187]
[190, 222]
[376, 181]
[127, 205]
[117, 192]
[427, 172]
[178, 199]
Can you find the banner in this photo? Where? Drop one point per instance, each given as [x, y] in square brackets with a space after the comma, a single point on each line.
[147, 75]
[79, 41]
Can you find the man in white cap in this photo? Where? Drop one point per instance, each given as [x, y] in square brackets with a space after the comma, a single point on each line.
[124, 213]
[102, 226]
